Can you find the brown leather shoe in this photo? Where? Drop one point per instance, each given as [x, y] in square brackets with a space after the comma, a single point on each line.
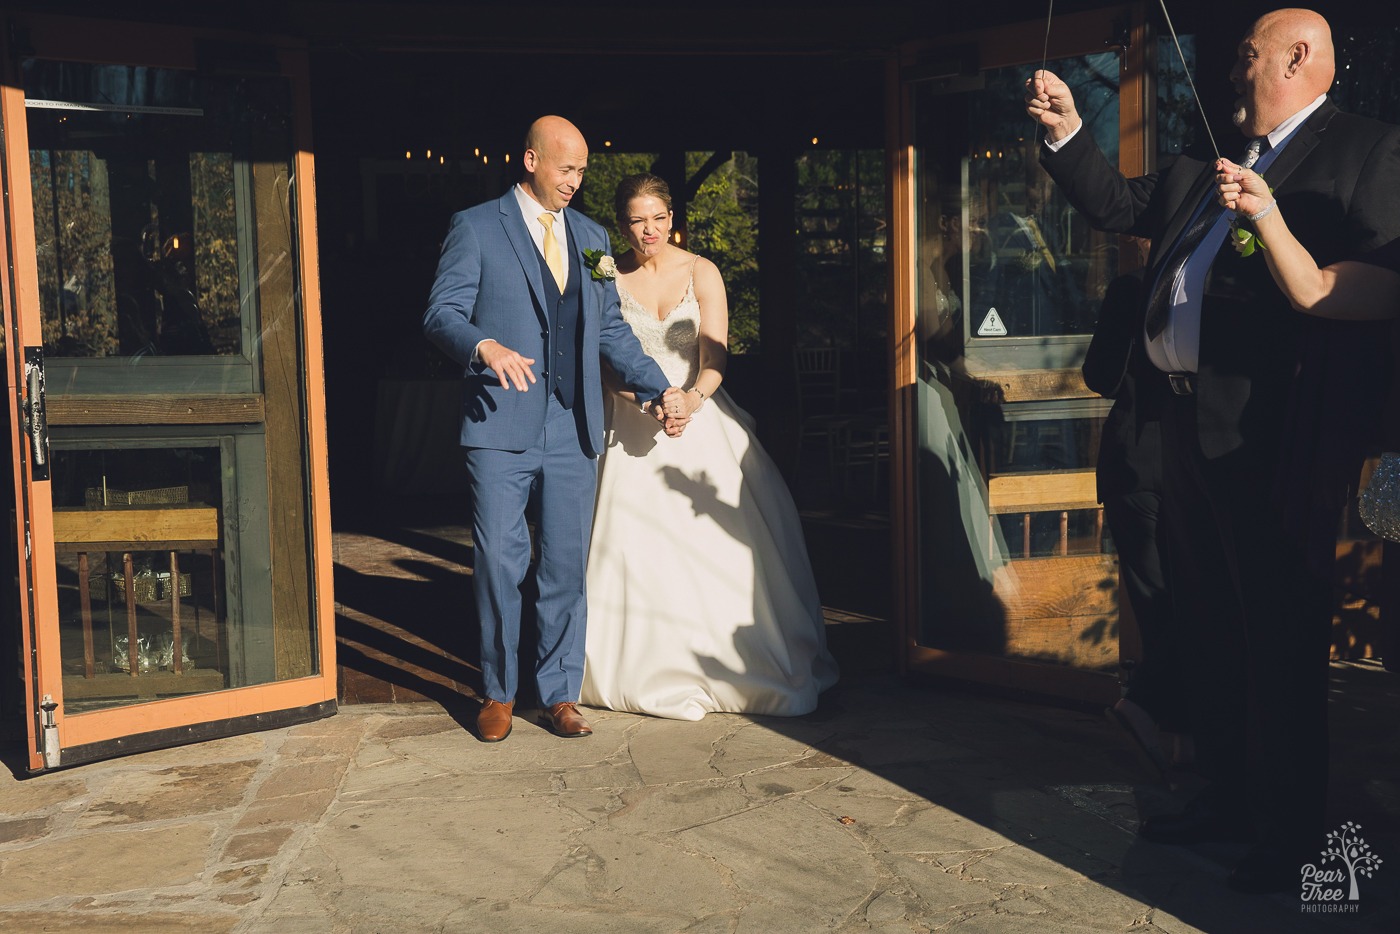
[493, 722]
[565, 720]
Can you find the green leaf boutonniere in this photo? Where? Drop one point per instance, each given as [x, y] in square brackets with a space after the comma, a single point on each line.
[1244, 241]
[600, 264]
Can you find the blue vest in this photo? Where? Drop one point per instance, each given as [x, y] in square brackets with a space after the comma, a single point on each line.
[564, 313]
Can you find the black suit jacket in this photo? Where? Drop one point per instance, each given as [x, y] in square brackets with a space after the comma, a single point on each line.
[1283, 388]
[1116, 367]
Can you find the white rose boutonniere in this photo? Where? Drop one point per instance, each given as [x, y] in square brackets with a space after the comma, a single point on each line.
[600, 264]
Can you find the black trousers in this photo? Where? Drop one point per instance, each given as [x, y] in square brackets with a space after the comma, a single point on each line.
[1157, 683]
[1256, 620]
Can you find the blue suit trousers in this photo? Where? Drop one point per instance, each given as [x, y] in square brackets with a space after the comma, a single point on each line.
[500, 484]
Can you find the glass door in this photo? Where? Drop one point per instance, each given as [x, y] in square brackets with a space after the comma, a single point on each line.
[1010, 576]
[167, 347]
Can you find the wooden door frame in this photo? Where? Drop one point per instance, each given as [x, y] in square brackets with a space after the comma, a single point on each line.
[98, 734]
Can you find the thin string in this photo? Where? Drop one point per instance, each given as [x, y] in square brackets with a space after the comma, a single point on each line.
[1045, 49]
[1186, 69]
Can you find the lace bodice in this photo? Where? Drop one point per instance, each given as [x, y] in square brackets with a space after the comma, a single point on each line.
[673, 341]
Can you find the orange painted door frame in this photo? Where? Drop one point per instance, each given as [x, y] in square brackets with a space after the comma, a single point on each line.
[279, 416]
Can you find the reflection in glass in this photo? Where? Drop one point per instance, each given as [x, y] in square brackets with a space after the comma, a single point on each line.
[999, 240]
[1013, 556]
[134, 179]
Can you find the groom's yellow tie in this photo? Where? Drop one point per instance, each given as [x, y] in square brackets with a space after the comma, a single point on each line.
[552, 257]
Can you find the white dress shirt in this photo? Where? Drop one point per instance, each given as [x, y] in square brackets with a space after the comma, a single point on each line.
[531, 210]
[1178, 348]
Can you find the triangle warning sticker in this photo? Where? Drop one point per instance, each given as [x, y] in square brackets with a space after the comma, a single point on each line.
[991, 325]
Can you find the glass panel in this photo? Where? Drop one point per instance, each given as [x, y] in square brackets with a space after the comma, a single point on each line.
[151, 512]
[841, 268]
[133, 177]
[1013, 553]
[998, 240]
[163, 217]
[1178, 117]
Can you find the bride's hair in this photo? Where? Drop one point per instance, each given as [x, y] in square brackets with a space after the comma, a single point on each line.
[639, 186]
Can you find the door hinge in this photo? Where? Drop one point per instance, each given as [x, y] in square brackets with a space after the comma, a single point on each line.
[36, 422]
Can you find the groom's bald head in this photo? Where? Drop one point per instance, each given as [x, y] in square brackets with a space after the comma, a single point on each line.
[555, 156]
[552, 132]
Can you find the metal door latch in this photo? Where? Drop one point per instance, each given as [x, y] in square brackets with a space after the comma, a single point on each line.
[50, 730]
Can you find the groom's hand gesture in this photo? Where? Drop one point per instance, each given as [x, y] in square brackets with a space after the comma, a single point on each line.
[509, 366]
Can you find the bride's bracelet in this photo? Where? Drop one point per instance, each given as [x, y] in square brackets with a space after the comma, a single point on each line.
[1264, 213]
[697, 391]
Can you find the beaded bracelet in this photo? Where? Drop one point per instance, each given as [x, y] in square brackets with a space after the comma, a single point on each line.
[1264, 213]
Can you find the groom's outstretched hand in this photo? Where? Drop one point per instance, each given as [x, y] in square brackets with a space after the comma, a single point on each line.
[509, 366]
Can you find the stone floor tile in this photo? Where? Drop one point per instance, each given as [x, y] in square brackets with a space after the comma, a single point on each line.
[288, 809]
[755, 746]
[24, 829]
[57, 922]
[177, 791]
[820, 870]
[634, 873]
[298, 777]
[510, 918]
[37, 794]
[790, 778]
[937, 830]
[678, 750]
[613, 775]
[258, 845]
[410, 778]
[670, 808]
[389, 843]
[105, 862]
[229, 748]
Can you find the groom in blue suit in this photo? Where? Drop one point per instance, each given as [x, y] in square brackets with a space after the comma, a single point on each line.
[513, 296]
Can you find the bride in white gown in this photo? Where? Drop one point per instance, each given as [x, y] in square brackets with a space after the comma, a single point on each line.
[700, 593]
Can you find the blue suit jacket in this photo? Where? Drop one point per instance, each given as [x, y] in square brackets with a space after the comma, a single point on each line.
[489, 285]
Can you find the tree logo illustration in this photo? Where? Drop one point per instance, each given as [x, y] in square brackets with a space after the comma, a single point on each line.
[1344, 848]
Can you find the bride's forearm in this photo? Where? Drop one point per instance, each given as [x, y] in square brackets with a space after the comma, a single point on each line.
[1347, 290]
[708, 381]
[1292, 266]
[713, 357]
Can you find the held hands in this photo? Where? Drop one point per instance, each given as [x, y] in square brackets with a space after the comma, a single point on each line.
[509, 366]
[1241, 190]
[1050, 103]
[674, 410]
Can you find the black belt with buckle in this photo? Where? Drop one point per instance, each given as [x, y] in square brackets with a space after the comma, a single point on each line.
[1183, 384]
